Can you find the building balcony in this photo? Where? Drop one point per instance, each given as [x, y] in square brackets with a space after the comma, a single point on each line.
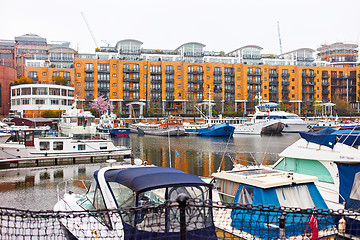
[127, 98]
[169, 72]
[308, 83]
[285, 90]
[249, 56]
[156, 80]
[285, 83]
[170, 80]
[133, 79]
[254, 73]
[195, 81]
[218, 90]
[325, 91]
[89, 70]
[227, 90]
[156, 90]
[337, 77]
[229, 82]
[191, 54]
[310, 75]
[309, 92]
[273, 75]
[134, 89]
[128, 70]
[231, 74]
[217, 73]
[170, 98]
[170, 89]
[196, 72]
[103, 70]
[273, 91]
[285, 75]
[201, 89]
[254, 82]
[155, 73]
[217, 81]
[255, 91]
[325, 76]
[273, 83]
[325, 84]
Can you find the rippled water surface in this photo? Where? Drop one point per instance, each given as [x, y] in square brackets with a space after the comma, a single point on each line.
[35, 188]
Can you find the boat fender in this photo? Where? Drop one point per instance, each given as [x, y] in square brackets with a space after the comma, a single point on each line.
[342, 226]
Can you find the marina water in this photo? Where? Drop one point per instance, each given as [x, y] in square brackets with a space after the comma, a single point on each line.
[35, 188]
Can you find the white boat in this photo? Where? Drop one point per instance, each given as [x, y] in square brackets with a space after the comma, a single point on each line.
[250, 126]
[77, 123]
[171, 126]
[263, 186]
[4, 136]
[59, 146]
[333, 156]
[138, 188]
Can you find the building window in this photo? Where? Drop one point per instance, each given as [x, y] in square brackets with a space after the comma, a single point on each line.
[179, 77]
[238, 95]
[78, 65]
[78, 94]
[179, 94]
[238, 69]
[293, 80]
[238, 78]
[179, 85]
[265, 70]
[208, 77]
[265, 87]
[78, 84]
[265, 95]
[114, 94]
[114, 66]
[238, 86]
[78, 75]
[293, 96]
[293, 88]
[179, 67]
[265, 79]
[44, 74]
[208, 69]
[292, 71]
[114, 84]
[208, 86]
[114, 75]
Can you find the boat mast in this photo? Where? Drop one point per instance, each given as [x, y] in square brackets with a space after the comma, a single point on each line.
[210, 111]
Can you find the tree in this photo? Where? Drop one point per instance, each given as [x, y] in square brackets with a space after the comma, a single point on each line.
[59, 80]
[101, 105]
[24, 79]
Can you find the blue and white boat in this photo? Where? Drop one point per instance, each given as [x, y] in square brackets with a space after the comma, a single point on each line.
[110, 124]
[149, 189]
[262, 186]
[208, 129]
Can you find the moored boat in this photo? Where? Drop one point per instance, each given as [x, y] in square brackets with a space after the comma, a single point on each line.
[266, 187]
[171, 126]
[208, 129]
[148, 187]
[109, 123]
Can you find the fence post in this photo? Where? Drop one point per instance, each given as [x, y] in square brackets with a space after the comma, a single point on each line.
[182, 200]
[282, 221]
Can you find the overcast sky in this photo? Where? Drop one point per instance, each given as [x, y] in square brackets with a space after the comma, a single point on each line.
[222, 25]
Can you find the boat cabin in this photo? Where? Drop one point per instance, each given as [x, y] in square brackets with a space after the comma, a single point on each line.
[267, 187]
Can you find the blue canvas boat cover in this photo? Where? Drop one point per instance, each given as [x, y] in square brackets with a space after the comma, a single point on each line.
[349, 175]
[146, 178]
[328, 137]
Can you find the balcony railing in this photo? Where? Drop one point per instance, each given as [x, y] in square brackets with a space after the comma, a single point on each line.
[217, 81]
[128, 70]
[195, 81]
[170, 89]
[285, 90]
[273, 75]
[310, 75]
[285, 83]
[254, 73]
[273, 83]
[325, 76]
[89, 69]
[131, 79]
[169, 71]
[308, 83]
[217, 73]
[255, 82]
[196, 72]
[155, 73]
[170, 98]
[285, 75]
[227, 73]
[169, 80]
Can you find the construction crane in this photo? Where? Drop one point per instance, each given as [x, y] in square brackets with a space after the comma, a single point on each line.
[279, 37]
[108, 44]
[88, 26]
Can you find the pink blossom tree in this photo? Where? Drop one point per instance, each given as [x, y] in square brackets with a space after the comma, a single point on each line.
[101, 105]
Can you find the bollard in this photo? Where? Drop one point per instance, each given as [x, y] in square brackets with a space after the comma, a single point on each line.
[182, 200]
[282, 221]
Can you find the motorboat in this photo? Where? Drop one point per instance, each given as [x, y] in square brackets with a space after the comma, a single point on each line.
[335, 123]
[4, 136]
[333, 156]
[29, 146]
[77, 123]
[271, 189]
[110, 124]
[171, 126]
[138, 202]
[249, 126]
[293, 123]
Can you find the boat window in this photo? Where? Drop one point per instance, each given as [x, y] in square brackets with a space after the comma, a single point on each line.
[124, 196]
[305, 166]
[44, 146]
[81, 147]
[103, 147]
[227, 189]
[355, 190]
[246, 195]
[296, 196]
[58, 145]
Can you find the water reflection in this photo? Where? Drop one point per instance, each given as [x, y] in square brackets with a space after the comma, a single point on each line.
[36, 188]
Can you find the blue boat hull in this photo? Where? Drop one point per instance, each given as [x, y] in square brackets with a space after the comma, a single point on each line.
[218, 130]
[118, 132]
